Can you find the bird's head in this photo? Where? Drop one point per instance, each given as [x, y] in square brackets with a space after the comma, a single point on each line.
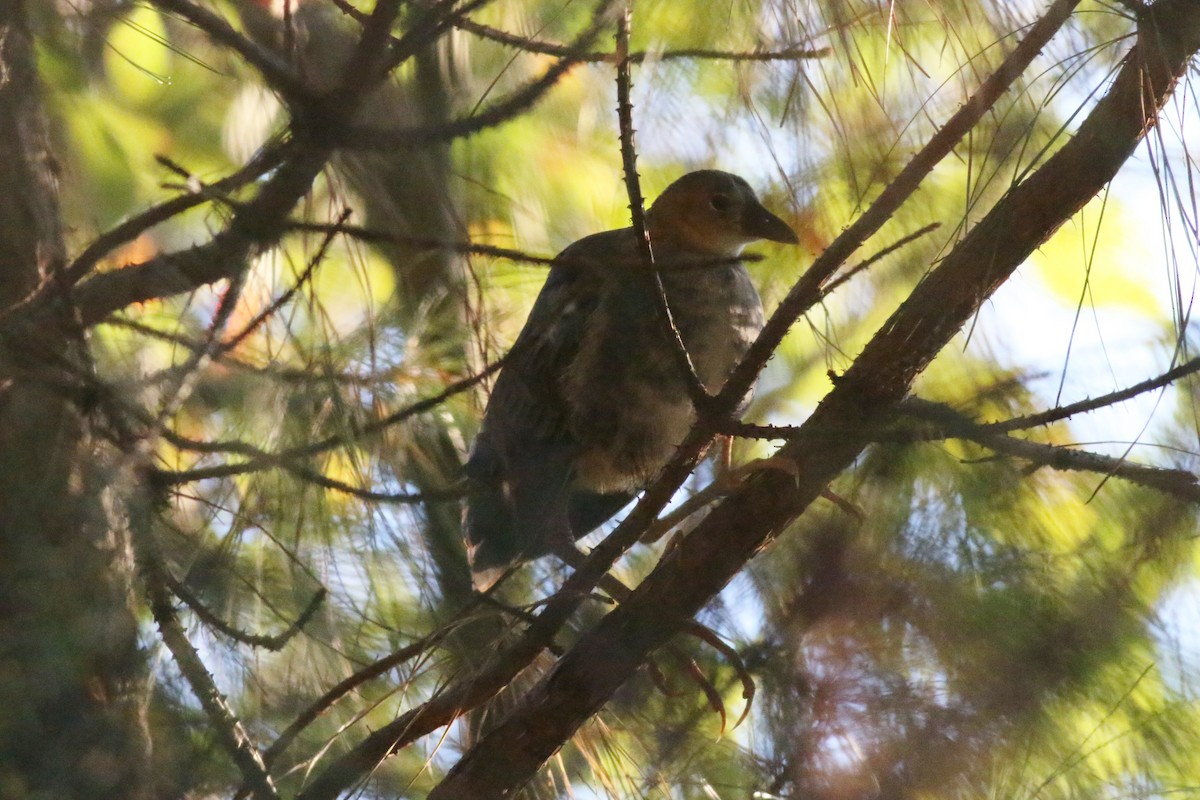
[714, 213]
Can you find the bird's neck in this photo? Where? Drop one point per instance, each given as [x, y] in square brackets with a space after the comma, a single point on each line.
[692, 242]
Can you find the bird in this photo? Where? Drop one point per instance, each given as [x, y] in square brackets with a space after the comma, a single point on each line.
[592, 400]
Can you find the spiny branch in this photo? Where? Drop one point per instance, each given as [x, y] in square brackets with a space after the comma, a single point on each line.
[637, 213]
[277, 73]
[531, 45]
[228, 728]
[287, 459]
[1083, 406]
[205, 615]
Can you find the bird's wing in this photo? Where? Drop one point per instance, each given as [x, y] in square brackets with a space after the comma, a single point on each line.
[528, 398]
[524, 449]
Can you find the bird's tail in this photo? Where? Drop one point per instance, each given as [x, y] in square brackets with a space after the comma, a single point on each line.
[490, 532]
[524, 508]
[518, 510]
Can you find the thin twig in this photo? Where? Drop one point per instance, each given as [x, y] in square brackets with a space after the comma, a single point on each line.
[265, 460]
[950, 423]
[272, 643]
[275, 71]
[233, 341]
[943, 422]
[891, 248]
[542, 47]
[374, 235]
[125, 232]
[188, 373]
[225, 723]
[299, 375]
[260, 460]
[637, 212]
[1065, 412]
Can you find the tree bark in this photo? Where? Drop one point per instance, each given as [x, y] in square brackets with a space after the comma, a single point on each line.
[70, 671]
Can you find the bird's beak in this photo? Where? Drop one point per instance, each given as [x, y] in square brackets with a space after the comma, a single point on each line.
[762, 224]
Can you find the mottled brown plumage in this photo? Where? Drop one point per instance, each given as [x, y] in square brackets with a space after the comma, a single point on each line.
[592, 402]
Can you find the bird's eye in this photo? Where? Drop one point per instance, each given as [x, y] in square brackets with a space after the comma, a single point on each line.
[720, 202]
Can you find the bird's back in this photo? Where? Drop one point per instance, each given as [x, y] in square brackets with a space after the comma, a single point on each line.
[521, 462]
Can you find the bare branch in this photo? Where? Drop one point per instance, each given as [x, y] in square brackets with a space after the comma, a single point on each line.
[943, 422]
[372, 235]
[359, 136]
[300, 375]
[273, 643]
[279, 302]
[265, 460]
[845, 277]
[262, 163]
[532, 45]
[1112, 398]
[255, 226]
[949, 423]
[637, 213]
[225, 723]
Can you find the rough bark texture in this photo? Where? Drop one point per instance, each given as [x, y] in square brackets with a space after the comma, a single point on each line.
[71, 724]
[837, 432]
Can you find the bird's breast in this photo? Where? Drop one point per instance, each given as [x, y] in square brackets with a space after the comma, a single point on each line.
[718, 314]
[628, 398]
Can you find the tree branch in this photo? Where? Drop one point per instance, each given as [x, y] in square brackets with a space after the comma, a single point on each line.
[254, 226]
[862, 266]
[226, 725]
[205, 615]
[529, 44]
[361, 136]
[637, 215]
[1083, 406]
[944, 422]
[949, 423]
[275, 71]
[262, 163]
